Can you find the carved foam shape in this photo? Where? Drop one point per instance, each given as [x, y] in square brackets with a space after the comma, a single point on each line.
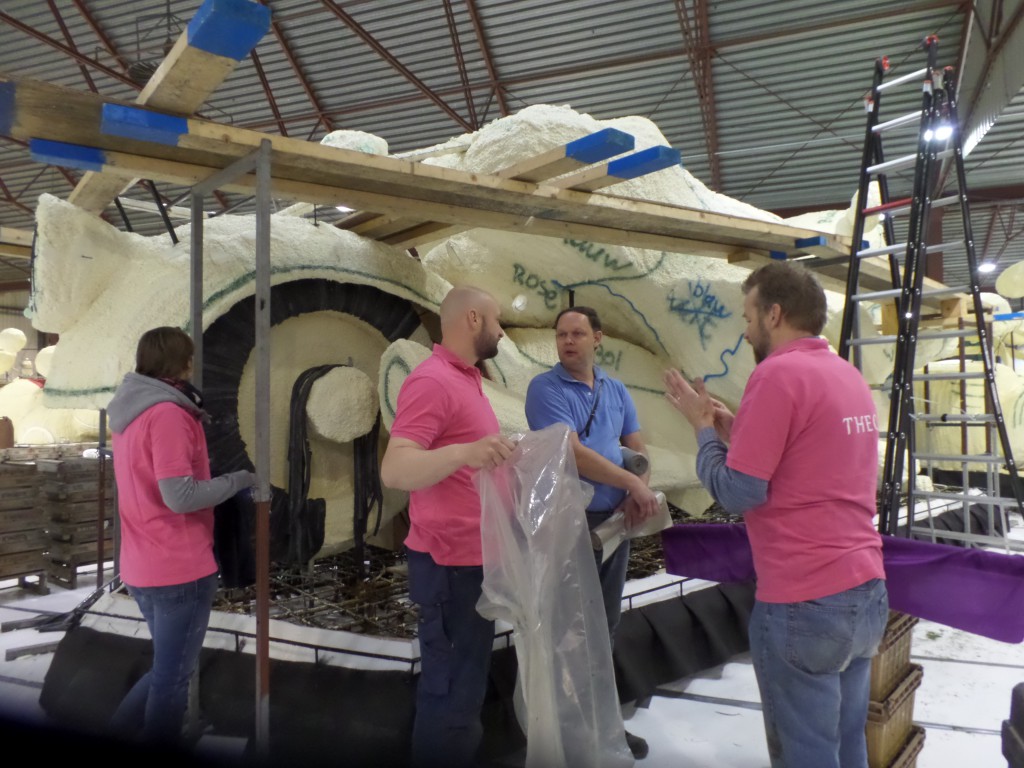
[337, 336]
[342, 405]
[116, 287]
[44, 360]
[12, 340]
[22, 402]
[683, 308]
[358, 141]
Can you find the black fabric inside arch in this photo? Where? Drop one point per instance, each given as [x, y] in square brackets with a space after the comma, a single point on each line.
[227, 346]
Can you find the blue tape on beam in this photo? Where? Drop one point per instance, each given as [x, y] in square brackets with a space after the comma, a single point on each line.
[7, 91]
[807, 242]
[140, 124]
[599, 146]
[1009, 316]
[67, 155]
[643, 162]
[229, 28]
[778, 255]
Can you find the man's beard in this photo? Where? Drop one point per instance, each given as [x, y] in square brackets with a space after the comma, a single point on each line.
[760, 344]
[485, 346]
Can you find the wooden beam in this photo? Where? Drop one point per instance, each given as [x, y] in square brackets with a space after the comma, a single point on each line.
[12, 236]
[572, 156]
[15, 251]
[134, 141]
[218, 37]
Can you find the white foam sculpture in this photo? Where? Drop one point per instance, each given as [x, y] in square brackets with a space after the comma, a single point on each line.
[100, 288]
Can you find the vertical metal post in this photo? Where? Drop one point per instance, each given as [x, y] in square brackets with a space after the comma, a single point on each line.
[196, 289]
[102, 517]
[262, 323]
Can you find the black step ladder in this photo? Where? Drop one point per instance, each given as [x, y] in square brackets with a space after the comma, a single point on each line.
[939, 151]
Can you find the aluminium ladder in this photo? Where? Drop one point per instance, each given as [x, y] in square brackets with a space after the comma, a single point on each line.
[938, 151]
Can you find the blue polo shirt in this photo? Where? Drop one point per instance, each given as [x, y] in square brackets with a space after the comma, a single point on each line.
[556, 397]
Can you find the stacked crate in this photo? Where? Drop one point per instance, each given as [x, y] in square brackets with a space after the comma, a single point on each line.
[22, 529]
[894, 741]
[69, 493]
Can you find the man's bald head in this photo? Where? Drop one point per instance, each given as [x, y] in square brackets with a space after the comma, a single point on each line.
[460, 301]
[469, 323]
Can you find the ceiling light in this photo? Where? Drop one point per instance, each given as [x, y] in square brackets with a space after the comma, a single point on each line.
[345, 209]
[988, 266]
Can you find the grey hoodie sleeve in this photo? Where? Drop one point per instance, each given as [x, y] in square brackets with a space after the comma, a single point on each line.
[186, 494]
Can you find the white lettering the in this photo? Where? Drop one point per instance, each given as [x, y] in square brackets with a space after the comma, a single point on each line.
[861, 425]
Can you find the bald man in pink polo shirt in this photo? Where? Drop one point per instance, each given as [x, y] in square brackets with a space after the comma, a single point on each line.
[800, 461]
[444, 431]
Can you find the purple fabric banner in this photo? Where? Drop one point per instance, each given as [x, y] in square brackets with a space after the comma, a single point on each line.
[970, 589]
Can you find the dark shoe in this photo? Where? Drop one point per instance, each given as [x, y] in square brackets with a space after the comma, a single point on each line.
[637, 746]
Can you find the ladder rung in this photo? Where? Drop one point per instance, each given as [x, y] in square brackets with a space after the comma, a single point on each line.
[952, 245]
[960, 459]
[942, 202]
[950, 376]
[884, 207]
[921, 336]
[880, 251]
[956, 333]
[893, 165]
[904, 162]
[870, 340]
[896, 122]
[916, 75]
[945, 289]
[972, 499]
[958, 419]
[892, 293]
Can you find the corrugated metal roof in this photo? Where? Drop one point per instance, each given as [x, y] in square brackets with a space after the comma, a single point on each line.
[788, 84]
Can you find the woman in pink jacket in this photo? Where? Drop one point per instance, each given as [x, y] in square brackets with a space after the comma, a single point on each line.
[165, 500]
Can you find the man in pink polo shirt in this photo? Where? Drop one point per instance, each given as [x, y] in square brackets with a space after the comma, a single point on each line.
[802, 465]
[445, 430]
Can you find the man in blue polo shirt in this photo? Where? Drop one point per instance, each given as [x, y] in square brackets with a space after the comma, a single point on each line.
[603, 418]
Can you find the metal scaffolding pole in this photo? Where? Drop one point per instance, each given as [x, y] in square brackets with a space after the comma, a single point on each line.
[258, 160]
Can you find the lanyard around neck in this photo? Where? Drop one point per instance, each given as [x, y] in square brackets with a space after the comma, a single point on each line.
[593, 409]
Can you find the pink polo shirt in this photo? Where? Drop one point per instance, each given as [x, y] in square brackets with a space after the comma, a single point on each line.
[807, 425]
[441, 403]
[160, 547]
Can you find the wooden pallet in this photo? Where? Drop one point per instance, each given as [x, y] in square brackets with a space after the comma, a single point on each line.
[24, 566]
[63, 511]
[63, 570]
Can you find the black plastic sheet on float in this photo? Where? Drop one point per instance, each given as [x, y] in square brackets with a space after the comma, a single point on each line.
[323, 714]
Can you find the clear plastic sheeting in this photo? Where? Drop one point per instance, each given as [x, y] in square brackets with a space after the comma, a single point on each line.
[539, 576]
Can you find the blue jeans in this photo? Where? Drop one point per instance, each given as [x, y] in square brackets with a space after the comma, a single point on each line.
[455, 659]
[813, 666]
[612, 574]
[177, 617]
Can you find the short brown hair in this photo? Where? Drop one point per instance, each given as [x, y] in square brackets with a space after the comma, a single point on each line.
[795, 290]
[587, 312]
[163, 353]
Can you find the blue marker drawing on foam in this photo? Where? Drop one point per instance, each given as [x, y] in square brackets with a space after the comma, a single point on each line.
[725, 365]
[701, 308]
